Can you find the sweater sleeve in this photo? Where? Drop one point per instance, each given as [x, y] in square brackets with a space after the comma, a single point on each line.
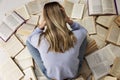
[76, 26]
[34, 37]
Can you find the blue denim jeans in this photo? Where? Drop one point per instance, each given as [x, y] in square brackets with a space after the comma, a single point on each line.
[37, 58]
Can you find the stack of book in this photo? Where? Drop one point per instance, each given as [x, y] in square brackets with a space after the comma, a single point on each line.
[101, 18]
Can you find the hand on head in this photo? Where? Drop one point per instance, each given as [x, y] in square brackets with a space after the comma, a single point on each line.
[42, 22]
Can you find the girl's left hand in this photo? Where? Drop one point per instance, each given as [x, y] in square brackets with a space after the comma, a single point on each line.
[42, 22]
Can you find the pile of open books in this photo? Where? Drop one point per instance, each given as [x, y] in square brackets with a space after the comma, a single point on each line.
[102, 58]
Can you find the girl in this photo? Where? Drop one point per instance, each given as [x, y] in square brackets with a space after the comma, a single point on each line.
[57, 50]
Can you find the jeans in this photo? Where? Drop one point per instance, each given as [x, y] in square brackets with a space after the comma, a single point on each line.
[37, 58]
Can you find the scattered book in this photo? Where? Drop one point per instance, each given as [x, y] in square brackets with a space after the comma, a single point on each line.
[113, 35]
[8, 69]
[85, 70]
[101, 7]
[23, 12]
[91, 46]
[118, 6]
[100, 61]
[106, 21]
[29, 73]
[99, 41]
[24, 59]
[12, 47]
[9, 25]
[115, 70]
[24, 31]
[89, 24]
[102, 32]
[117, 20]
[33, 20]
[35, 6]
[74, 10]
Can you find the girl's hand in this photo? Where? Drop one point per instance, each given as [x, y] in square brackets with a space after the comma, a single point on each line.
[42, 22]
[67, 19]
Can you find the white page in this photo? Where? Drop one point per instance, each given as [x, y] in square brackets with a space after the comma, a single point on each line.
[13, 21]
[12, 47]
[95, 7]
[5, 31]
[8, 67]
[77, 11]
[108, 7]
[33, 7]
[89, 24]
[23, 12]
[118, 6]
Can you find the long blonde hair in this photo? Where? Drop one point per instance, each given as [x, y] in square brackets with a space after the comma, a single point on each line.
[57, 34]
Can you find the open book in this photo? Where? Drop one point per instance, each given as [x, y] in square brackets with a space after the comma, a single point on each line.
[12, 47]
[29, 73]
[100, 61]
[115, 71]
[91, 47]
[89, 24]
[114, 35]
[100, 7]
[9, 24]
[24, 59]
[106, 21]
[73, 10]
[24, 31]
[23, 12]
[8, 69]
[35, 6]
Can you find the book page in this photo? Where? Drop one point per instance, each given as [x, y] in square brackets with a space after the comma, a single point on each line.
[24, 63]
[23, 12]
[24, 54]
[99, 41]
[108, 7]
[13, 21]
[29, 73]
[115, 49]
[41, 4]
[100, 61]
[77, 11]
[113, 34]
[12, 47]
[101, 31]
[105, 20]
[100, 70]
[33, 7]
[95, 7]
[89, 24]
[25, 29]
[91, 47]
[68, 7]
[5, 31]
[33, 20]
[115, 71]
[118, 6]
[8, 67]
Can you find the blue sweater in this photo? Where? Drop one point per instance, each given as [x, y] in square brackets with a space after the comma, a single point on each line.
[59, 66]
